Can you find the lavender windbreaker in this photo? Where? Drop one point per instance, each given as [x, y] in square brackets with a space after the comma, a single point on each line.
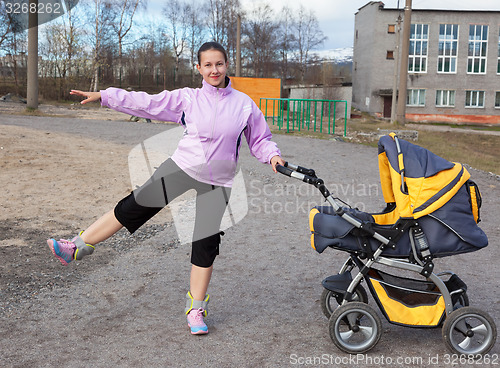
[214, 121]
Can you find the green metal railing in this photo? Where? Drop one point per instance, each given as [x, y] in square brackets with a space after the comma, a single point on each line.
[303, 113]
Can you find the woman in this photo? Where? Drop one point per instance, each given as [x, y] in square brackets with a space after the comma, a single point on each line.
[215, 117]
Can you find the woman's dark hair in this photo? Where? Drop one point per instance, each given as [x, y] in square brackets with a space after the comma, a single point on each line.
[211, 46]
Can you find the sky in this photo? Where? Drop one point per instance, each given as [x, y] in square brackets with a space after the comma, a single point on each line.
[336, 17]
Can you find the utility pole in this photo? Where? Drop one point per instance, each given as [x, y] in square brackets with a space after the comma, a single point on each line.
[396, 68]
[32, 77]
[238, 46]
[403, 70]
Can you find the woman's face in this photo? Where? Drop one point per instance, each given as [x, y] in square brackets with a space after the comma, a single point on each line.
[213, 68]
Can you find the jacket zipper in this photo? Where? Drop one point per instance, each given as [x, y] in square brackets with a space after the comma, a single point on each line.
[211, 135]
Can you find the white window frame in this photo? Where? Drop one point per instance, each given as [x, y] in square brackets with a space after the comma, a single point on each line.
[474, 44]
[448, 41]
[445, 98]
[421, 41]
[420, 97]
[473, 98]
[498, 62]
[497, 98]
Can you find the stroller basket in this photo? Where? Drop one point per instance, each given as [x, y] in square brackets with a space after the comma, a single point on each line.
[411, 302]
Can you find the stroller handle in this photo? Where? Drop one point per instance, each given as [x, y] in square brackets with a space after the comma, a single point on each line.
[299, 173]
[306, 175]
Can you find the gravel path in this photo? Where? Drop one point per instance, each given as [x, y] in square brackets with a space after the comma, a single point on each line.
[123, 306]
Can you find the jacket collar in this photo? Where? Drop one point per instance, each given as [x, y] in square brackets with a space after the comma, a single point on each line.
[213, 90]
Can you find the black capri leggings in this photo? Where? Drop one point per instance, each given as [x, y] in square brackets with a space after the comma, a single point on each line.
[167, 183]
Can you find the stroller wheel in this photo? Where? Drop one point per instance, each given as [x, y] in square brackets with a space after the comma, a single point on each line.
[329, 301]
[355, 327]
[469, 331]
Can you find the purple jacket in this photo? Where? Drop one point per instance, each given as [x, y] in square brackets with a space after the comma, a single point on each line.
[214, 121]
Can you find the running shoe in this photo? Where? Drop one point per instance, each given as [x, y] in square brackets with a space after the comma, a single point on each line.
[63, 249]
[195, 322]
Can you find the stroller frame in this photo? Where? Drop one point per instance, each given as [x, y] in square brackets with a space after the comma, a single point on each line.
[462, 326]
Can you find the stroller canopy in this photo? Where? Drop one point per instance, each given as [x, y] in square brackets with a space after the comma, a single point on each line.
[424, 185]
[417, 180]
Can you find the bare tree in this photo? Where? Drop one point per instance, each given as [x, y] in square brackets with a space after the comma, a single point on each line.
[70, 37]
[14, 43]
[222, 23]
[215, 23]
[5, 25]
[261, 40]
[156, 42]
[123, 16]
[100, 17]
[59, 49]
[286, 39]
[196, 34]
[178, 22]
[233, 9]
[308, 36]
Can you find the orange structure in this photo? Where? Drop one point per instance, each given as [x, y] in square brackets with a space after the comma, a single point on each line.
[258, 88]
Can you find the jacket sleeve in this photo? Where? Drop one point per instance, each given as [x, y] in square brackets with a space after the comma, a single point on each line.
[164, 106]
[259, 136]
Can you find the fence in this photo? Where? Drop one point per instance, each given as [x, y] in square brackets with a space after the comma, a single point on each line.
[303, 113]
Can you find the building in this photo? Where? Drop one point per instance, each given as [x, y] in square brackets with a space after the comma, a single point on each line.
[453, 66]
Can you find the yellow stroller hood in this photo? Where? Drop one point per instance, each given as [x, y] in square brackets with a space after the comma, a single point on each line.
[415, 179]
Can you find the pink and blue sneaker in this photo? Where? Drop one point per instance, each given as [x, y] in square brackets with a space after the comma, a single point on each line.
[64, 250]
[196, 323]
[68, 250]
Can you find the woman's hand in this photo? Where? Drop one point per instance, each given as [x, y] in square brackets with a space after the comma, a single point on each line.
[276, 160]
[90, 96]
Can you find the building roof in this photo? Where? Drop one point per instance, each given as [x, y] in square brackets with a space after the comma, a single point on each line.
[382, 7]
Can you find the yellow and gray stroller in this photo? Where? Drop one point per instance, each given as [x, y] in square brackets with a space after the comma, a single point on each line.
[432, 211]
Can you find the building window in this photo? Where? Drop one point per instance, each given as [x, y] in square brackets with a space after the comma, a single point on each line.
[391, 28]
[448, 47]
[497, 100]
[478, 44]
[390, 55]
[474, 99]
[445, 98]
[415, 97]
[417, 60]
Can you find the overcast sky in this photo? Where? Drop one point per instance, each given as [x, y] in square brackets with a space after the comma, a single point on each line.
[336, 17]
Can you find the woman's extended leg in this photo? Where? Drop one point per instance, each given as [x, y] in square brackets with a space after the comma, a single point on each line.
[83, 244]
[102, 229]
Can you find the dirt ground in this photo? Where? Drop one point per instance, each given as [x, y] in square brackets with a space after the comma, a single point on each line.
[123, 306]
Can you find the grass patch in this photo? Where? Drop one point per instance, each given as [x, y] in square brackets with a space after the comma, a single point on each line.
[477, 150]
[480, 151]
[493, 128]
[29, 111]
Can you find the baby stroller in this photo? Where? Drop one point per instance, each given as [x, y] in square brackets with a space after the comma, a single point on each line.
[432, 211]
